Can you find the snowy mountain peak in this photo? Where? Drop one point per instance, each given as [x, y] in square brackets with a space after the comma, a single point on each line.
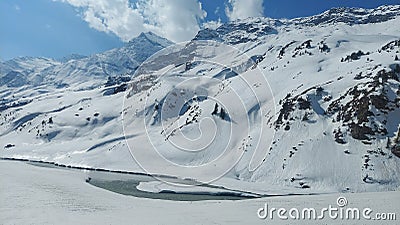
[251, 29]
[240, 31]
[150, 37]
[71, 57]
[83, 71]
[351, 16]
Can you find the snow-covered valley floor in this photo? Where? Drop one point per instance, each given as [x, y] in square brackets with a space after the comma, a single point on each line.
[39, 195]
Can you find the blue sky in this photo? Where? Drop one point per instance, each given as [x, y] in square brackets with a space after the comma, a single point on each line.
[55, 28]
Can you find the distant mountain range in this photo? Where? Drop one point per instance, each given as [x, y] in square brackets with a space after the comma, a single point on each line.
[76, 69]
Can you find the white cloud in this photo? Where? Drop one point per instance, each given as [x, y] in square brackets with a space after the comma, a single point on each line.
[242, 9]
[212, 24]
[177, 20]
[216, 10]
[16, 7]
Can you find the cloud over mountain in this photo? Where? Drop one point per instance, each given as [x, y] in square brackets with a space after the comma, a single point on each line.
[242, 9]
[177, 20]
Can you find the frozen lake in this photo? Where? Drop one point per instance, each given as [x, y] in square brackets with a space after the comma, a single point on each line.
[39, 195]
[127, 184]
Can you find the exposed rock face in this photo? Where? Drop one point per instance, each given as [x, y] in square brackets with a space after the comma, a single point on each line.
[370, 102]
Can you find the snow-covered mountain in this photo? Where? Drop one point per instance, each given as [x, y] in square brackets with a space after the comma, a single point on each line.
[71, 57]
[303, 105]
[80, 70]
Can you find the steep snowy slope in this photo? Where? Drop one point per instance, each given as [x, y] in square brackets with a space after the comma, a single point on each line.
[303, 105]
